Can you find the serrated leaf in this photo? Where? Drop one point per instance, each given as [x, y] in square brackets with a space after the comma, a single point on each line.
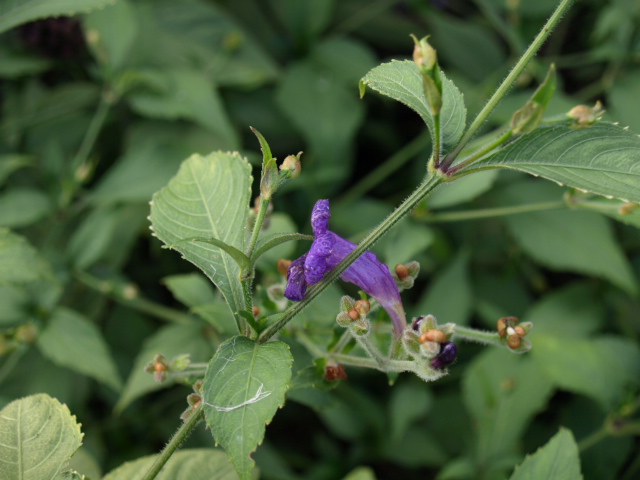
[558, 459]
[208, 197]
[171, 341]
[603, 159]
[69, 339]
[191, 464]
[16, 12]
[244, 385]
[19, 261]
[401, 81]
[39, 435]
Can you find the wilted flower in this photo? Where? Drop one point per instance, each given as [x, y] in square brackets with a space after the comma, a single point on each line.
[327, 251]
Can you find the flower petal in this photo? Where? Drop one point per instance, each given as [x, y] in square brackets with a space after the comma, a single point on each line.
[315, 266]
[296, 282]
[320, 217]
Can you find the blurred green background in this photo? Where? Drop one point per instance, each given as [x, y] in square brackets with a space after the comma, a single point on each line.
[98, 111]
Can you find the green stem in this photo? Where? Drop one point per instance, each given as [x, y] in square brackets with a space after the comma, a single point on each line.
[482, 152]
[403, 209]
[508, 82]
[177, 439]
[382, 172]
[309, 344]
[479, 336]
[491, 212]
[341, 344]
[143, 305]
[11, 362]
[257, 226]
[389, 366]
[594, 438]
[371, 350]
[91, 135]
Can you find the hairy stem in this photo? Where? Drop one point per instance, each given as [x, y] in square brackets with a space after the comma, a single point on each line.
[403, 209]
[479, 336]
[482, 152]
[491, 212]
[508, 82]
[257, 226]
[180, 436]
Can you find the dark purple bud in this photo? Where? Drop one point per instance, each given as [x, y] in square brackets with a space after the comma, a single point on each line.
[296, 282]
[416, 323]
[447, 355]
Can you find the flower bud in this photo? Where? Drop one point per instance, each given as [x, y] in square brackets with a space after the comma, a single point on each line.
[505, 323]
[447, 355]
[513, 341]
[343, 319]
[402, 271]
[583, 116]
[424, 55]
[255, 311]
[333, 373]
[519, 331]
[362, 307]
[353, 314]
[290, 167]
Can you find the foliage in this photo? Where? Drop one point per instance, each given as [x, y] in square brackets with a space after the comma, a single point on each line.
[135, 101]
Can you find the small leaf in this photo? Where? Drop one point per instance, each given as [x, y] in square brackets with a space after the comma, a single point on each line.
[208, 197]
[191, 464]
[264, 146]
[558, 459]
[244, 385]
[14, 13]
[528, 117]
[267, 242]
[39, 435]
[241, 259]
[71, 340]
[171, 341]
[19, 261]
[402, 82]
[603, 159]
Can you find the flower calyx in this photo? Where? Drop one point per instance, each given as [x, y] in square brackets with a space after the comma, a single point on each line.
[333, 373]
[512, 334]
[353, 315]
[160, 367]
[427, 340]
[405, 274]
[582, 116]
[290, 168]
[194, 400]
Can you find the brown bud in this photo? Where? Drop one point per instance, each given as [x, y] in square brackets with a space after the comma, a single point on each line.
[159, 367]
[501, 325]
[513, 341]
[402, 271]
[435, 335]
[362, 307]
[353, 314]
[519, 331]
[255, 311]
[283, 266]
[331, 374]
[627, 208]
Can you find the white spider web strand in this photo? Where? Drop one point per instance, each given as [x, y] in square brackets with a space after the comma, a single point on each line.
[260, 394]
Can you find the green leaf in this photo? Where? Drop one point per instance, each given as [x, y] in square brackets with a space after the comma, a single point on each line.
[208, 197]
[184, 93]
[93, 237]
[12, 162]
[579, 241]
[600, 368]
[327, 114]
[170, 341]
[39, 435]
[14, 305]
[20, 207]
[409, 402]
[19, 261]
[16, 12]
[69, 339]
[191, 464]
[116, 28]
[402, 82]
[361, 473]
[264, 146]
[462, 190]
[603, 159]
[240, 258]
[503, 392]
[244, 385]
[528, 118]
[558, 459]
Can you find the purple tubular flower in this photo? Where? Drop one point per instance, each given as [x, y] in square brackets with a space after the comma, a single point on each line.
[447, 355]
[327, 251]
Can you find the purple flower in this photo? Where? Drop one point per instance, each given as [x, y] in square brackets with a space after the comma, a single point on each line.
[327, 251]
[447, 355]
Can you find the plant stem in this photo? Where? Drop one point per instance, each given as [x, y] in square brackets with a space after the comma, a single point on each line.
[382, 172]
[390, 365]
[136, 302]
[482, 152]
[257, 226]
[93, 129]
[479, 336]
[508, 82]
[371, 350]
[177, 439]
[342, 342]
[491, 212]
[10, 363]
[594, 438]
[403, 209]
